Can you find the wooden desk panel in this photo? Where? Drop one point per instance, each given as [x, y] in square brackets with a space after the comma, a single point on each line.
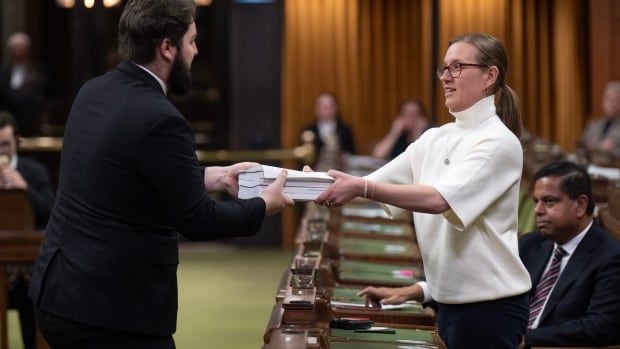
[15, 247]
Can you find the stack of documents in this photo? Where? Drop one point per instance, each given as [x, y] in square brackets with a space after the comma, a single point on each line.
[300, 186]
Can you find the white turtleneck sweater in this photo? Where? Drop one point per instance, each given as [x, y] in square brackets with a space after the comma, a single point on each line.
[470, 252]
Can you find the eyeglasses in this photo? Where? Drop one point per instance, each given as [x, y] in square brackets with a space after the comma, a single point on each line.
[455, 69]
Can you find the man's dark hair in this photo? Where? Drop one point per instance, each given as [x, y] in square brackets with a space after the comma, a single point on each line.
[575, 181]
[144, 24]
[6, 119]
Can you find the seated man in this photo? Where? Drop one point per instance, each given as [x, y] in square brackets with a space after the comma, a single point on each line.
[329, 126]
[28, 175]
[574, 266]
[603, 133]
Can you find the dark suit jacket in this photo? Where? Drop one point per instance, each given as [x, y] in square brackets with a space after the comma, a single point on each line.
[129, 181]
[584, 307]
[345, 137]
[40, 192]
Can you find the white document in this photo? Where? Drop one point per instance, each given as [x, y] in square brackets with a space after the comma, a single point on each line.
[405, 305]
[607, 172]
[300, 186]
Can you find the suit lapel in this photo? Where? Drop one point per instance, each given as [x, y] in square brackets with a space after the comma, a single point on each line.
[577, 261]
[539, 260]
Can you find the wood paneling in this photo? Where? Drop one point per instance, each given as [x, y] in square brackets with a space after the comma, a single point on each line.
[371, 54]
[604, 49]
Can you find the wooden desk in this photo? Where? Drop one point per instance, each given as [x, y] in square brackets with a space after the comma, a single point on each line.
[15, 247]
[345, 302]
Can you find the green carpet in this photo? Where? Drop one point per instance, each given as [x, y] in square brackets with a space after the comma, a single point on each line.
[225, 296]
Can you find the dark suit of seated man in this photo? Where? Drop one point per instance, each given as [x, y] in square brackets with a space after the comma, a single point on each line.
[575, 300]
[28, 175]
[578, 302]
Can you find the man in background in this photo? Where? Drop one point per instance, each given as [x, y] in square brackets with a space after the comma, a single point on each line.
[329, 128]
[28, 175]
[573, 264]
[603, 133]
[24, 88]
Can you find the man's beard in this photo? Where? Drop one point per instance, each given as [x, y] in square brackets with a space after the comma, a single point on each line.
[180, 79]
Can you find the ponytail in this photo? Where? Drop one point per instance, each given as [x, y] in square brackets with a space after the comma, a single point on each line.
[507, 108]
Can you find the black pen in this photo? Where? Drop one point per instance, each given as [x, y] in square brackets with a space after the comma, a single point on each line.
[384, 331]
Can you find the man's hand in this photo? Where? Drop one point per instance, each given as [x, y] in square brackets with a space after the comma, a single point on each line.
[399, 125]
[522, 344]
[225, 178]
[275, 199]
[230, 180]
[12, 179]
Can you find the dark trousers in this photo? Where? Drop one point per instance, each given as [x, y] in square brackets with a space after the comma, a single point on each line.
[498, 324]
[65, 334]
[18, 299]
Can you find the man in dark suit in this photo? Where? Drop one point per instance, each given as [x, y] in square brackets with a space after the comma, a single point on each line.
[574, 265]
[24, 173]
[575, 301]
[129, 183]
[329, 127]
[24, 85]
[30, 176]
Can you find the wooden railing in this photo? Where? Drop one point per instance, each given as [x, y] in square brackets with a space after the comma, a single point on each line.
[304, 153]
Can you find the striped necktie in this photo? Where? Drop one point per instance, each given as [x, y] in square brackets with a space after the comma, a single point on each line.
[545, 285]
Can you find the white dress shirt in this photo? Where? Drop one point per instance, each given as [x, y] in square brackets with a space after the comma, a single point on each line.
[18, 76]
[161, 82]
[327, 130]
[13, 163]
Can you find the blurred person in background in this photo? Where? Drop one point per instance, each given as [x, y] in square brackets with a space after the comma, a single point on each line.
[329, 126]
[24, 88]
[30, 176]
[408, 126]
[603, 133]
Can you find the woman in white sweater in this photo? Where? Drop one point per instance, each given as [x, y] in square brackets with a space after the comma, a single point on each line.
[461, 181]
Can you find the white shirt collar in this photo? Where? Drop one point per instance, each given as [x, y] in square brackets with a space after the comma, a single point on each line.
[571, 245]
[326, 128]
[472, 116]
[18, 76]
[161, 82]
[13, 163]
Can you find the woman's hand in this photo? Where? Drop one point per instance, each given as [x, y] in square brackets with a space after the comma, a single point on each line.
[344, 189]
[376, 296]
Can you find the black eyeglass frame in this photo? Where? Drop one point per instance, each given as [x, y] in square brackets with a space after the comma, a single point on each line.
[455, 69]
